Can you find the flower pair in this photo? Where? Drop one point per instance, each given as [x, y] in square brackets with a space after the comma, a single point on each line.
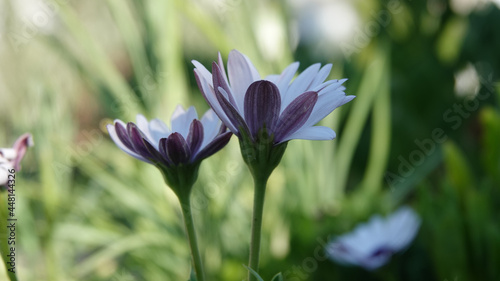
[263, 113]
[270, 111]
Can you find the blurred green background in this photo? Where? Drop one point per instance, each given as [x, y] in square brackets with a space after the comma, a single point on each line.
[423, 131]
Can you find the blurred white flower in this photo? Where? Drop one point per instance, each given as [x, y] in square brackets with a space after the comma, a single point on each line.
[326, 25]
[467, 82]
[10, 158]
[372, 244]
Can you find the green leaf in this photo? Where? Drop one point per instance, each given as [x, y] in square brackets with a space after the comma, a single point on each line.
[278, 277]
[192, 276]
[254, 273]
[490, 121]
[458, 171]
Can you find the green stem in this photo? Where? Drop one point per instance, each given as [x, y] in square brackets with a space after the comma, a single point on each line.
[258, 208]
[193, 242]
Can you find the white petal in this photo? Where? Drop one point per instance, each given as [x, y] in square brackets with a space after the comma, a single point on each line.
[8, 154]
[241, 74]
[272, 78]
[325, 105]
[214, 103]
[312, 133]
[181, 120]
[321, 76]
[143, 125]
[158, 130]
[203, 72]
[282, 81]
[403, 225]
[118, 142]
[299, 85]
[4, 175]
[211, 125]
[330, 85]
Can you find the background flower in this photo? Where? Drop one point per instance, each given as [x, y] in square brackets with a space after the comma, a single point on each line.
[372, 244]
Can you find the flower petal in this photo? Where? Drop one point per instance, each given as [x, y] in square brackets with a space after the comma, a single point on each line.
[241, 74]
[282, 81]
[312, 133]
[231, 112]
[112, 129]
[299, 85]
[158, 130]
[181, 120]
[215, 145]
[163, 150]
[203, 72]
[325, 105]
[221, 65]
[211, 126]
[143, 125]
[21, 146]
[211, 99]
[321, 76]
[177, 149]
[295, 115]
[156, 155]
[123, 136]
[195, 136]
[135, 137]
[220, 81]
[262, 106]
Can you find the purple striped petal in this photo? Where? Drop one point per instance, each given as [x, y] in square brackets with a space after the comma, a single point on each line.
[210, 97]
[262, 106]
[221, 65]
[215, 145]
[231, 112]
[156, 155]
[116, 139]
[177, 149]
[195, 136]
[122, 134]
[163, 150]
[136, 137]
[295, 115]
[220, 81]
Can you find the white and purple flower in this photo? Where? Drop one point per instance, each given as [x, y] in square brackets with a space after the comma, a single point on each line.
[372, 244]
[10, 158]
[285, 109]
[188, 141]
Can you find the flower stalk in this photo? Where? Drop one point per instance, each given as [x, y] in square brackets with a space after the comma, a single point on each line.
[262, 156]
[258, 210]
[191, 235]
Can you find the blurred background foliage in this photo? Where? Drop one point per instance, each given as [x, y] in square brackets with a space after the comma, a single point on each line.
[423, 131]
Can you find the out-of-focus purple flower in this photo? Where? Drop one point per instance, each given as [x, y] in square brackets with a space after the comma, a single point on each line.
[176, 151]
[282, 108]
[371, 245]
[10, 158]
